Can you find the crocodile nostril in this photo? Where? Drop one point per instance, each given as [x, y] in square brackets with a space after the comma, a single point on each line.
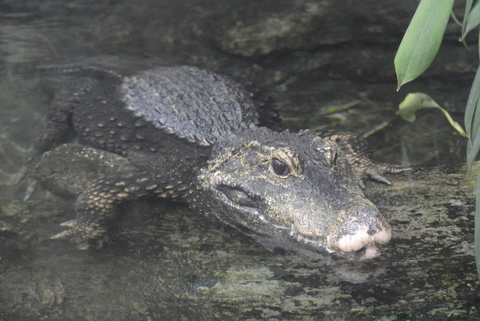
[362, 239]
[363, 227]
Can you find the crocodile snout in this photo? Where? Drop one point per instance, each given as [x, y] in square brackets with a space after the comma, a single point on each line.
[361, 228]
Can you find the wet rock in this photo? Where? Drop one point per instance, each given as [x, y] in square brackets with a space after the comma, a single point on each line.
[14, 208]
[307, 25]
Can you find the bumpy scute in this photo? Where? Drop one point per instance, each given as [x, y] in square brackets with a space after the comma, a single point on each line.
[195, 136]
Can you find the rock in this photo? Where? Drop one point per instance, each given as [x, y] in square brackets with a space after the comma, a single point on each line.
[309, 25]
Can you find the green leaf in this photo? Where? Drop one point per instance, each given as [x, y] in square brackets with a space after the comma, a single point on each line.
[472, 120]
[473, 20]
[473, 147]
[422, 39]
[416, 101]
[471, 17]
[468, 7]
[477, 225]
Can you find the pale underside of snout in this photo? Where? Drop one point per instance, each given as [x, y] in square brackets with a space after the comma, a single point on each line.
[357, 246]
[361, 240]
[354, 234]
[361, 228]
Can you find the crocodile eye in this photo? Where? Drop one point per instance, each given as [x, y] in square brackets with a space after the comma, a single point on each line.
[279, 168]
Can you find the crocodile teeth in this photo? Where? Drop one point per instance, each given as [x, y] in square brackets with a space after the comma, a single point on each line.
[301, 238]
[292, 230]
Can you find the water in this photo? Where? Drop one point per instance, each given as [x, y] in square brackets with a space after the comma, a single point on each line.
[166, 262]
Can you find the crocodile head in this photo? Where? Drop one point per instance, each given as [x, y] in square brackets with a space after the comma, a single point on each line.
[290, 190]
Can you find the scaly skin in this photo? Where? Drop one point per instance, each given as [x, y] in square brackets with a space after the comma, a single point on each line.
[197, 136]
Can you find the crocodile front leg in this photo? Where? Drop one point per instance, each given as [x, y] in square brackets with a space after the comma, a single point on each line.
[98, 205]
[359, 154]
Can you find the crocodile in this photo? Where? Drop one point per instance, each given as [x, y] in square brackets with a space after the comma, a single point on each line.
[200, 137]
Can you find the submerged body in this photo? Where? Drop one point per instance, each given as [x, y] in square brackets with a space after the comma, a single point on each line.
[200, 137]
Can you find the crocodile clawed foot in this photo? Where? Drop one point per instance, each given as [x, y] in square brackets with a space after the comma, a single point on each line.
[359, 154]
[72, 233]
[67, 233]
[376, 171]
